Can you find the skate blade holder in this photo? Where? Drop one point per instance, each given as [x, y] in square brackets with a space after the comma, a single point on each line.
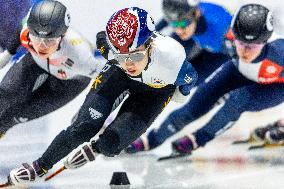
[119, 180]
[245, 141]
[266, 145]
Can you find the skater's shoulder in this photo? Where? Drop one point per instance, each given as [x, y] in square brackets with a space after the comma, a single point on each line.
[276, 41]
[275, 47]
[76, 40]
[167, 50]
[76, 44]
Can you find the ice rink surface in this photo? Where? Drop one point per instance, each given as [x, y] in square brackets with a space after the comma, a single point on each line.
[218, 165]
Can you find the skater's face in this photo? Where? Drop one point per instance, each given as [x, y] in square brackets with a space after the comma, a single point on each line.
[44, 47]
[186, 28]
[135, 62]
[247, 52]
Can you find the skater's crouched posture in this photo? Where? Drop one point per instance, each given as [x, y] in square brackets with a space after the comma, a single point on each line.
[58, 67]
[154, 70]
[253, 78]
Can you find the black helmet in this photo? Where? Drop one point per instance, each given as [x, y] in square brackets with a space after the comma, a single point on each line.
[48, 19]
[178, 9]
[252, 23]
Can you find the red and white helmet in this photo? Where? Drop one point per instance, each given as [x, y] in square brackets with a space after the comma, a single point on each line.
[128, 29]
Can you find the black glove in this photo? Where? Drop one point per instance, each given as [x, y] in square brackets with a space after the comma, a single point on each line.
[102, 44]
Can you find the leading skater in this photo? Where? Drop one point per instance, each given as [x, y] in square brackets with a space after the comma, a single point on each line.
[152, 67]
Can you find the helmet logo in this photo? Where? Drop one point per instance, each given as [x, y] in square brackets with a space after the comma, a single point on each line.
[122, 29]
[67, 18]
[250, 37]
[42, 32]
[269, 21]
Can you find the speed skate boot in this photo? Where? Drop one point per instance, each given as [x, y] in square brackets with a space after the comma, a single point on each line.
[275, 136]
[145, 143]
[258, 134]
[184, 145]
[140, 144]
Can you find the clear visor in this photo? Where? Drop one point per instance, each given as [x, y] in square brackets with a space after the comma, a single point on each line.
[46, 42]
[135, 56]
[249, 45]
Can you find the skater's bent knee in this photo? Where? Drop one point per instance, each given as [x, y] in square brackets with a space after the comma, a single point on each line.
[108, 144]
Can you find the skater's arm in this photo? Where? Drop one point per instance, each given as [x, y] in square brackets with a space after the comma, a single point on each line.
[15, 42]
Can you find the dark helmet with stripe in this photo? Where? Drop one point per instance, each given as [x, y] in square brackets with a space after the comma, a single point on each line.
[48, 19]
[252, 23]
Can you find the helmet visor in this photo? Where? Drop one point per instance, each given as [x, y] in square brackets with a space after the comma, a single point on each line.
[249, 45]
[135, 57]
[46, 42]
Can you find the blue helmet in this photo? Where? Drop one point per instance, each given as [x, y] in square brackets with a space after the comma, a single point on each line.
[129, 28]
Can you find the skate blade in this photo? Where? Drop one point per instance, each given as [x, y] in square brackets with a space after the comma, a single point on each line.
[5, 185]
[55, 173]
[266, 145]
[12, 186]
[246, 141]
[172, 156]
